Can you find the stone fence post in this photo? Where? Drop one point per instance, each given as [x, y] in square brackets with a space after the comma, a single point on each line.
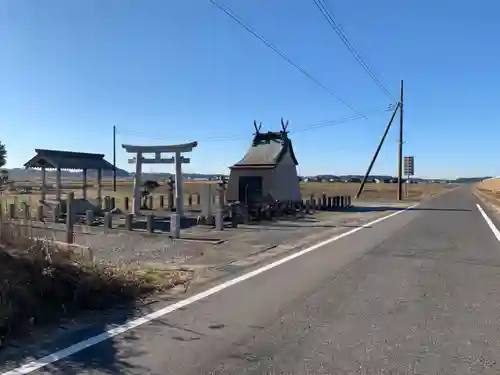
[170, 194]
[69, 217]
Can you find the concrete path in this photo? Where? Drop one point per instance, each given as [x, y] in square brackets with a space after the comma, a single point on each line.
[417, 293]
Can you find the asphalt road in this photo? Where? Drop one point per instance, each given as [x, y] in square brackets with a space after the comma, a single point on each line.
[418, 293]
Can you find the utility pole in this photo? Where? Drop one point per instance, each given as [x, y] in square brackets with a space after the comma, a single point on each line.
[400, 153]
[360, 190]
[114, 158]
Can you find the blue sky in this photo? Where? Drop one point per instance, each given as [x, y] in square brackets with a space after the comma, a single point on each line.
[168, 71]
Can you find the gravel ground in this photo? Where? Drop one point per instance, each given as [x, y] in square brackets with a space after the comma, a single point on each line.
[120, 246]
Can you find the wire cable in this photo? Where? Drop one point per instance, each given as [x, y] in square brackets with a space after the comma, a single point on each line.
[345, 39]
[247, 27]
[318, 125]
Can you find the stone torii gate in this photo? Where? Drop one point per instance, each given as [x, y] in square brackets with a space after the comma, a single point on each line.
[178, 159]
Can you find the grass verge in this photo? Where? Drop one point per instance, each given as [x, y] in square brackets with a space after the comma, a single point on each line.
[41, 283]
[489, 197]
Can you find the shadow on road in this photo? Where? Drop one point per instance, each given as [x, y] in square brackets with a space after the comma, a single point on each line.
[290, 226]
[384, 208]
[105, 357]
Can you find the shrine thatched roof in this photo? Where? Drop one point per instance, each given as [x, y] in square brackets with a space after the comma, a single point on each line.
[53, 159]
[267, 150]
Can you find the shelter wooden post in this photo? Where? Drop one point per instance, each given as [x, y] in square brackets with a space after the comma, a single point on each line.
[84, 182]
[99, 188]
[43, 190]
[58, 184]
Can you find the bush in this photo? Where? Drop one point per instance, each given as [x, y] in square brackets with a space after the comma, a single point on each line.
[39, 283]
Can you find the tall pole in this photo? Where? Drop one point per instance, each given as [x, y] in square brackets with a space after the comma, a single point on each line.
[400, 151]
[114, 158]
[360, 190]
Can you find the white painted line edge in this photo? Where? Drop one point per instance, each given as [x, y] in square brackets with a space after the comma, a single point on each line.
[492, 226]
[82, 345]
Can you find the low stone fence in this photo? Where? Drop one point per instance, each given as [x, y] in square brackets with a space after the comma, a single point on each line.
[65, 227]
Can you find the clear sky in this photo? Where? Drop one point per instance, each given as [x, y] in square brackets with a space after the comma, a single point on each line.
[168, 71]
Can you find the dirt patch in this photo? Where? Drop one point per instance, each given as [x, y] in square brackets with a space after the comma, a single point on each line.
[41, 283]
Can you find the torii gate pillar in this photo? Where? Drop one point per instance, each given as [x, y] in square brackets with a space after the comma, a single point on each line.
[139, 160]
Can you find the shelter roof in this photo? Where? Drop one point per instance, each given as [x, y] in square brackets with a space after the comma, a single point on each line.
[267, 150]
[53, 159]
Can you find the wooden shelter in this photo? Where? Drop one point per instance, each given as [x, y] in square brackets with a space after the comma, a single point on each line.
[69, 160]
[268, 170]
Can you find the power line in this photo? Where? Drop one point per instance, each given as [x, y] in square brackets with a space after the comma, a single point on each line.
[344, 38]
[252, 31]
[318, 125]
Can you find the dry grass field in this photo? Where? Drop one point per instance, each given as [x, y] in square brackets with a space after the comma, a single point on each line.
[489, 190]
[372, 191]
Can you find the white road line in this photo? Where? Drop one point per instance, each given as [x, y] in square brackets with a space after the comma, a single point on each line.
[79, 346]
[492, 226]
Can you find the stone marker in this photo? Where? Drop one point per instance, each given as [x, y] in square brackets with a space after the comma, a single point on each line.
[219, 219]
[26, 211]
[150, 223]
[39, 212]
[175, 225]
[207, 200]
[308, 206]
[129, 220]
[342, 201]
[211, 220]
[234, 215]
[221, 193]
[56, 212]
[107, 203]
[12, 211]
[245, 215]
[108, 220]
[89, 217]
[336, 201]
[302, 206]
[311, 205]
